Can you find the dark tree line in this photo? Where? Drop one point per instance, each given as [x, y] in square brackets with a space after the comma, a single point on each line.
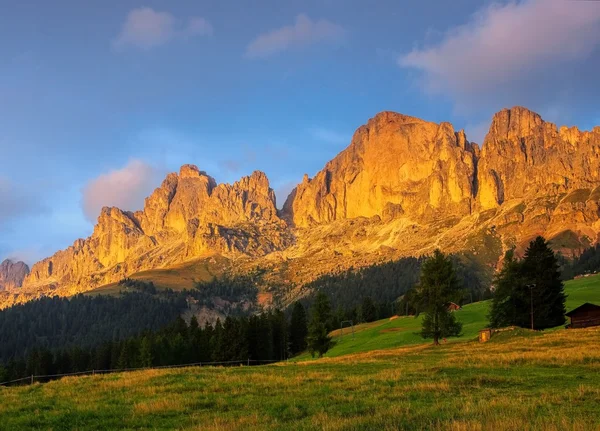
[82, 321]
[392, 284]
[587, 263]
[265, 337]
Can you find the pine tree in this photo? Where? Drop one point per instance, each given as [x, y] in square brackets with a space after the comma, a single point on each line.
[321, 310]
[508, 301]
[319, 341]
[369, 312]
[146, 358]
[298, 329]
[530, 285]
[438, 286]
[540, 269]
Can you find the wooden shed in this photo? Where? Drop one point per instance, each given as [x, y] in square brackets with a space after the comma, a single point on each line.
[584, 316]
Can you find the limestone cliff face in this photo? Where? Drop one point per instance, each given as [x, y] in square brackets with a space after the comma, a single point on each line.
[523, 155]
[403, 187]
[12, 274]
[395, 166]
[426, 183]
[188, 216]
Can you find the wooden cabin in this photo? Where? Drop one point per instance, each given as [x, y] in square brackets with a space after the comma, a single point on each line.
[584, 316]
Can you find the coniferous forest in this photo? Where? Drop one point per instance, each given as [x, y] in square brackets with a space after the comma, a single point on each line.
[142, 327]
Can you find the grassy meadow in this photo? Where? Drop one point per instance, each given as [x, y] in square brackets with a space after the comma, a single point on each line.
[403, 331]
[547, 382]
[387, 378]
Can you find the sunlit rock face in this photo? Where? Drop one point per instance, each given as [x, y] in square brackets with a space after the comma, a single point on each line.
[524, 155]
[188, 216]
[12, 274]
[395, 165]
[404, 186]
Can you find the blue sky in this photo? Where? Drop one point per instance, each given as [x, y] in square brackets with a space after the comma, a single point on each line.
[98, 100]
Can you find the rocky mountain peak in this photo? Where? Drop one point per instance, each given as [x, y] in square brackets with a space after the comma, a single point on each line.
[514, 123]
[402, 187]
[396, 164]
[188, 216]
[12, 274]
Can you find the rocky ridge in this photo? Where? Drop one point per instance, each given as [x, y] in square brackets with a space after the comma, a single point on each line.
[403, 187]
[12, 274]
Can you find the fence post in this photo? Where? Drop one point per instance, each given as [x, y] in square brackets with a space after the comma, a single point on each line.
[32, 379]
[248, 361]
[93, 372]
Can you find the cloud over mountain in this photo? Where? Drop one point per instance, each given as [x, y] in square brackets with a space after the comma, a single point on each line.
[512, 53]
[124, 188]
[303, 32]
[145, 28]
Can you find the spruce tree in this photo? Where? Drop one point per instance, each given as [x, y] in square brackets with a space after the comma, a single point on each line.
[541, 270]
[298, 329]
[319, 341]
[437, 288]
[530, 285]
[508, 301]
[369, 311]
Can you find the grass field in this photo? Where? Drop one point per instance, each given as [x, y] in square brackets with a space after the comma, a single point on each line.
[547, 382]
[403, 331]
[518, 381]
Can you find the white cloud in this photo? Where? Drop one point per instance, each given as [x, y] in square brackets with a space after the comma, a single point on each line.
[199, 26]
[146, 28]
[303, 32]
[329, 136]
[509, 49]
[125, 188]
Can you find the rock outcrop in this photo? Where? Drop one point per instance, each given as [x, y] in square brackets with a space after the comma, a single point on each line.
[12, 274]
[425, 185]
[396, 165]
[188, 216]
[404, 186]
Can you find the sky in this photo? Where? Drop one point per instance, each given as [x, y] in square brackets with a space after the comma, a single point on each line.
[99, 100]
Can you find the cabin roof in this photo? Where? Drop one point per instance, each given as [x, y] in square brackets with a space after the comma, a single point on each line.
[584, 307]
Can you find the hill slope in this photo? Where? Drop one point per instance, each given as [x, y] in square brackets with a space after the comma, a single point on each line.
[403, 331]
[546, 382]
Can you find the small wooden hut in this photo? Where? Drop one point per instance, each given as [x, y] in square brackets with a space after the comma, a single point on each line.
[584, 316]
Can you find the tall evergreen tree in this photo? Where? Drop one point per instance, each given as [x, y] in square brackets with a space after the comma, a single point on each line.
[530, 292]
[321, 310]
[298, 329]
[540, 268]
[369, 311]
[438, 286]
[508, 302]
[319, 341]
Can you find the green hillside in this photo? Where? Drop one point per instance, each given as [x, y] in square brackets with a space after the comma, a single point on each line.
[403, 331]
[548, 382]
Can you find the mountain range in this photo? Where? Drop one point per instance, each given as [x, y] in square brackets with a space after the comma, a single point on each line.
[403, 187]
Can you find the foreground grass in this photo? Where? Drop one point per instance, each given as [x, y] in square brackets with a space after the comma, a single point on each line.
[404, 331]
[550, 382]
